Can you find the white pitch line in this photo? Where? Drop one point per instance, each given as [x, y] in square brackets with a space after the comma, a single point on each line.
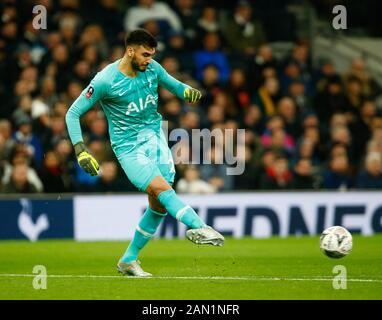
[247, 278]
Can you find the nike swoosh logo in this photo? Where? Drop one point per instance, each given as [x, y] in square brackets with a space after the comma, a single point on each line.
[122, 93]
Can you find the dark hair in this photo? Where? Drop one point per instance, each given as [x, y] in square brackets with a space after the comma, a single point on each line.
[140, 37]
[354, 79]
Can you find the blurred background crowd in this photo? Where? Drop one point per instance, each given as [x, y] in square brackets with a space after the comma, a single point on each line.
[307, 125]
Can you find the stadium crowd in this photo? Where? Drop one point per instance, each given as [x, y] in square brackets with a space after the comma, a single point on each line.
[306, 128]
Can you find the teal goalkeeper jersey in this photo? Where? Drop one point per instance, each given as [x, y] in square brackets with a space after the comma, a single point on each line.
[129, 103]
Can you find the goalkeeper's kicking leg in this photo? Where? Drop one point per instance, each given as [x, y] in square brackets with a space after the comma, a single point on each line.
[163, 199]
[145, 230]
[198, 232]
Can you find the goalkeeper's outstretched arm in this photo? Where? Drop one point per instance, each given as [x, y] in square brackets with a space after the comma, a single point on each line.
[82, 104]
[176, 87]
[88, 97]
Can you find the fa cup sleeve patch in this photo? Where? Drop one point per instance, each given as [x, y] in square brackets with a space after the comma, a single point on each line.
[90, 91]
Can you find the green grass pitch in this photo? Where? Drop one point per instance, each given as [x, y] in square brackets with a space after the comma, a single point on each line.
[275, 268]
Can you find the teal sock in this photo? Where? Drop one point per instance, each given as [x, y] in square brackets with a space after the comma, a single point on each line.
[176, 207]
[145, 230]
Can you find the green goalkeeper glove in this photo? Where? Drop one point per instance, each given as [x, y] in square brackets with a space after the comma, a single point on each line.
[86, 161]
[192, 95]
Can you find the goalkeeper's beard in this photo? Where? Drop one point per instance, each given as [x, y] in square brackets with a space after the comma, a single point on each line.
[137, 67]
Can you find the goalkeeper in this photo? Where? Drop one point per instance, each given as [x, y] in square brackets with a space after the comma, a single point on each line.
[127, 91]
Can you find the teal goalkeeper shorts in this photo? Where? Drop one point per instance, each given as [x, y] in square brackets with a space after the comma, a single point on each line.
[150, 159]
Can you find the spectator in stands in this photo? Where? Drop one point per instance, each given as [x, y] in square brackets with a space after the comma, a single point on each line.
[98, 129]
[191, 182]
[368, 112]
[275, 136]
[267, 96]
[9, 34]
[292, 73]
[13, 88]
[215, 172]
[92, 55]
[246, 180]
[110, 18]
[211, 84]
[225, 100]
[188, 13]
[215, 115]
[57, 64]
[263, 60]
[48, 94]
[7, 143]
[337, 175]
[278, 176]
[73, 90]
[323, 74]
[23, 109]
[340, 134]
[81, 72]
[307, 148]
[33, 36]
[309, 120]
[331, 100]
[303, 175]
[24, 135]
[237, 87]
[338, 119]
[19, 181]
[211, 54]
[57, 130]
[181, 152]
[145, 10]
[371, 176]
[287, 110]
[108, 180]
[190, 120]
[300, 57]
[269, 72]
[30, 74]
[208, 22]
[244, 34]
[67, 26]
[176, 47]
[338, 149]
[253, 120]
[377, 134]
[369, 86]
[354, 93]
[360, 125]
[297, 92]
[64, 152]
[374, 146]
[172, 66]
[20, 156]
[171, 113]
[89, 117]
[263, 159]
[282, 141]
[51, 174]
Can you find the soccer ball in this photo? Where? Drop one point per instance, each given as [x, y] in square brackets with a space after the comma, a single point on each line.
[336, 242]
